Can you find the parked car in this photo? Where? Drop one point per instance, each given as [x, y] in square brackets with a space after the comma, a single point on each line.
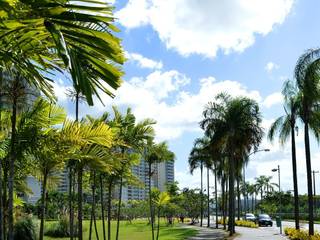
[250, 217]
[264, 220]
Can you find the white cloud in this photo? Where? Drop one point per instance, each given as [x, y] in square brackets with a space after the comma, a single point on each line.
[144, 62]
[204, 27]
[271, 66]
[160, 96]
[273, 99]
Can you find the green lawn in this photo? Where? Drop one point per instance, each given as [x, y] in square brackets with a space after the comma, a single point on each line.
[138, 230]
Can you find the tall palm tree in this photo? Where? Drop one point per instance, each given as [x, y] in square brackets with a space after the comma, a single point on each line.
[233, 124]
[199, 158]
[308, 83]
[264, 184]
[155, 153]
[286, 126]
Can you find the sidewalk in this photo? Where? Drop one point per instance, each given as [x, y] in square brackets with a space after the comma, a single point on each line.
[207, 233]
[258, 234]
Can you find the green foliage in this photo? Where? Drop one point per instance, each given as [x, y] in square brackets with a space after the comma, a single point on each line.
[59, 229]
[25, 229]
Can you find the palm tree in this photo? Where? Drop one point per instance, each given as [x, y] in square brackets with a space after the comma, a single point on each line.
[264, 185]
[133, 137]
[155, 153]
[286, 126]
[233, 124]
[308, 83]
[162, 199]
[197, 158]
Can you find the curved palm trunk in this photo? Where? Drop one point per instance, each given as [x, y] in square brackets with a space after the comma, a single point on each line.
[309, 178]
[102, 208]
[216, 196]
[295, 178]
[11, 167]
[119, 208]
[43, 205]
[208, 199]
[150, 203]
[201, 195]
[71, 213]
[231, 197]
[80, 231]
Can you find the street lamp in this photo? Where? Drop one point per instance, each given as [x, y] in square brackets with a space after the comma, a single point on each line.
[278, 170]
[314, 190]
[244, 176]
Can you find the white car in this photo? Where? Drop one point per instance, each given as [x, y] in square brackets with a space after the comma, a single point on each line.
[250, 217]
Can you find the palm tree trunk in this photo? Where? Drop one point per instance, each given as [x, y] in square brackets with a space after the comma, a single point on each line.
[119, 208]
[43, 204]
[216, 196]
[309, 178]
[94, 205]
[201, 195]
[71, 213]
[80, 172]
[109, 207]
[150, 202]
[295, 178]
[1, 204]
[252, 199]
[222, 201]
[5, 196]
[90, 226]
[102, 208]
[208, 197]
[238, 192]
[231, 197]
[11, 167]
[158, 227]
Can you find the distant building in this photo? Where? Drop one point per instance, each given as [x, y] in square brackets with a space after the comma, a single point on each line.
[163, 173]
[35, 187]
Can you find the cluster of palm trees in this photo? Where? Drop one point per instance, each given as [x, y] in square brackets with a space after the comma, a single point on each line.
[76, 38]
[301, 105]
[232, 129]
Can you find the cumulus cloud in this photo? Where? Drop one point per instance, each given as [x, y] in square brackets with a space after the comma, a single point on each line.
[271, 66]
[143, 62]
[204, 27]
[273, 99]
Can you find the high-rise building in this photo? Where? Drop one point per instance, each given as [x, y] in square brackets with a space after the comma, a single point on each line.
[162, 174]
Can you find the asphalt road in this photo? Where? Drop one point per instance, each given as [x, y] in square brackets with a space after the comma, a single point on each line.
[270, 233]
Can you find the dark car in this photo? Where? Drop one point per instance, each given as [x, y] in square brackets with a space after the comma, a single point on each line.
[250, 217]
[264, 220]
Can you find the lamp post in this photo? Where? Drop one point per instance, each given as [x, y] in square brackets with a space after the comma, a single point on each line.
[278, 170]
[244, 176]
[314, 191]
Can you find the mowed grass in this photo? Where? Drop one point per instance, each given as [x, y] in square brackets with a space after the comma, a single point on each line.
[137, 230]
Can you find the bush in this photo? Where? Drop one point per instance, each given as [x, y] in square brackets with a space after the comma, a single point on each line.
[25, 229]
[59, 229]
[244, 223]
[294, 234]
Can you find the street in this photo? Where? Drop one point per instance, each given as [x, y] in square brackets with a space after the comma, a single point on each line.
[272, 233]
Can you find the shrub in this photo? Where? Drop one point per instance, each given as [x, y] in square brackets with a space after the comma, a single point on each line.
[59, 229]
[244, 223]
[25, 229]
[294, 234]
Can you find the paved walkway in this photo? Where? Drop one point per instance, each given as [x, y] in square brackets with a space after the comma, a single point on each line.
[258, 233]
[207, 233]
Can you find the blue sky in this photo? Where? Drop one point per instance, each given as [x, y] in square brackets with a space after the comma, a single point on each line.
[182, 53]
